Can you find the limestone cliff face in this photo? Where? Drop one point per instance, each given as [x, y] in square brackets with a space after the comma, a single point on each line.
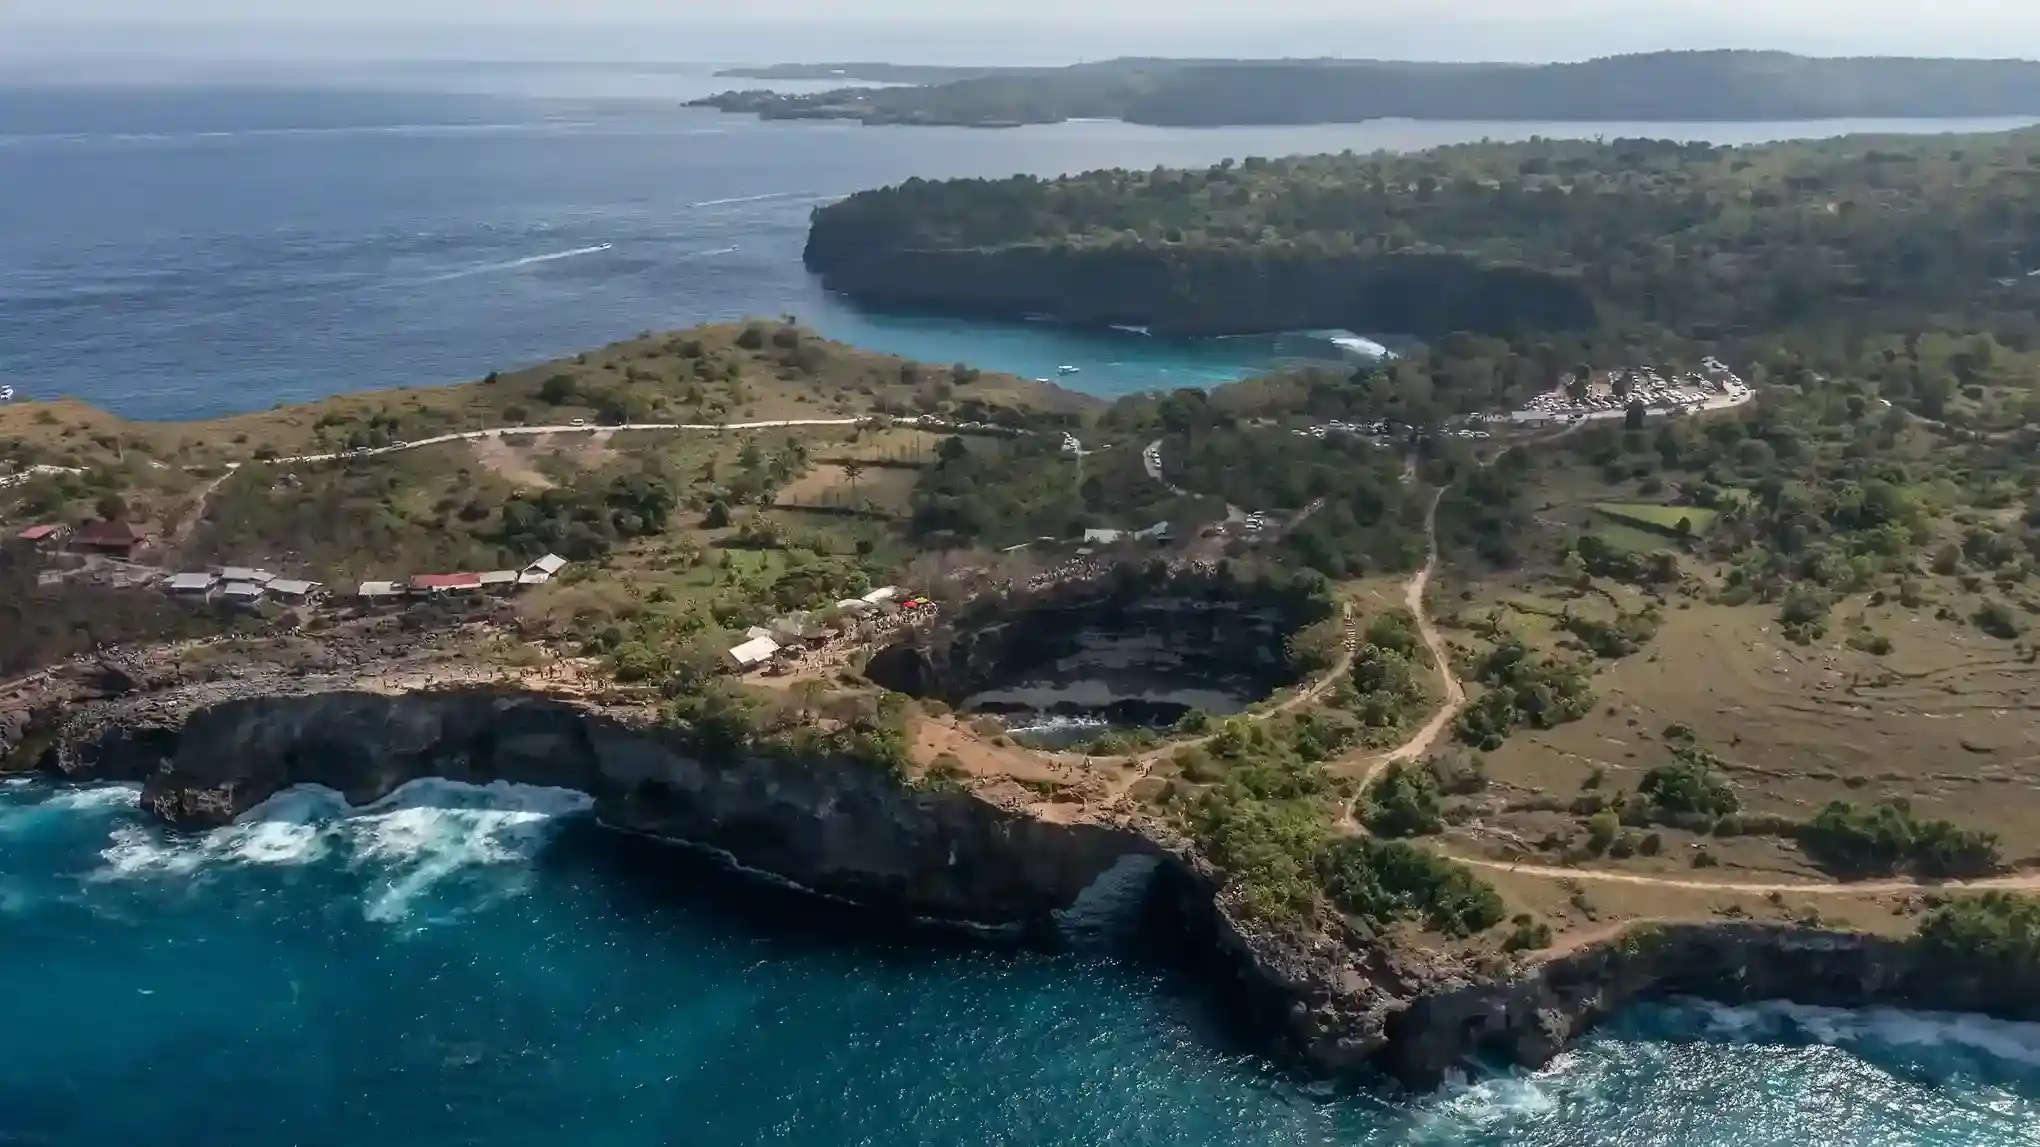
[837, 827]
[1198, 292]
[1332, 1001]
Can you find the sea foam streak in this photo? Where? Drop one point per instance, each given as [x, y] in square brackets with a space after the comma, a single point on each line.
[2003, 1040]
[423, 836]
[527, 261]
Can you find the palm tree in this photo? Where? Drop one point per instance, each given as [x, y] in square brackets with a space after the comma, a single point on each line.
[853, 470]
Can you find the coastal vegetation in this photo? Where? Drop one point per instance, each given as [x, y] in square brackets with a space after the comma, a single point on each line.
[1707, 86]
[1572, 250]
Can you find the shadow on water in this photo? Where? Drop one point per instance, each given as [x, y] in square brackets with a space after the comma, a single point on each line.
[1148, 940]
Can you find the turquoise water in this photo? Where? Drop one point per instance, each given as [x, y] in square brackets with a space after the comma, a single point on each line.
[184, 252]
[461, 965]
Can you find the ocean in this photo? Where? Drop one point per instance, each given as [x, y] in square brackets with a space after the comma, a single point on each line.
[464, 965]
[175, 252]
[486, 965]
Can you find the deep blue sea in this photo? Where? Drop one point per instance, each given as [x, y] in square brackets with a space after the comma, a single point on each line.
[486, 966]
[186, 251]
[463, 965]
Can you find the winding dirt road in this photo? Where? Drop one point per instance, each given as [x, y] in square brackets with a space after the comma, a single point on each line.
[1455, 700]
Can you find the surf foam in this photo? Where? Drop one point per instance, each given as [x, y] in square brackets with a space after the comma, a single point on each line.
[422, 837]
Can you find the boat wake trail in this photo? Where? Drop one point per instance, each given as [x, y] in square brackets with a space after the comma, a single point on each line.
[751, 198]
[515, 264]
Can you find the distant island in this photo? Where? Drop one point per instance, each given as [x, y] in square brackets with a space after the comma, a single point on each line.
[1657, 86]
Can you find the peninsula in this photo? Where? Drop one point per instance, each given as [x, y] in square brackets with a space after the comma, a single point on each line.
[1447, 731]
[1706, 86]
[1516, 241]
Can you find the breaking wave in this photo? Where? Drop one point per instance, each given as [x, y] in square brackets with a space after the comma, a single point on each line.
[426, 837]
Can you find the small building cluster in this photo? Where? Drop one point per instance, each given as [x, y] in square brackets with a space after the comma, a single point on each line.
[248, 587]
[792, 635]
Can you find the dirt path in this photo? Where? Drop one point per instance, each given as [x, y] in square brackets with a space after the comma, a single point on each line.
[2017, 882]
[1455, 700]
[188, 524]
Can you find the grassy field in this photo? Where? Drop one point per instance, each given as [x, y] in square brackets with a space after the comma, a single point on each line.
[727, 373]
[1944, 722]
[1664, 519]
[1629, 538]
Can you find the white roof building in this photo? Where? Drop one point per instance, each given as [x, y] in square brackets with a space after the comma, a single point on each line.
[882, 593]
[496, 579]
[548, 565]
[243, 591]
[245, 574]
[291, 587]
[191, 583]
[374, 589]
[754, 652]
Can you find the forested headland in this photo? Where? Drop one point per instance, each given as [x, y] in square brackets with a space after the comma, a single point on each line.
[1690, 240]
[1683, 86]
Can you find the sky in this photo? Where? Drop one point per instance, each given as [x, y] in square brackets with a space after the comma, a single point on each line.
[1003, 31]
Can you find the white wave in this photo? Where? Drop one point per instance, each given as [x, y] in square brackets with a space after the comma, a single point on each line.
[96, 797]
[750, 198]
[409, 843]
[710, 254]
[515, 264]
[1487, 1104]
[1998, 1039]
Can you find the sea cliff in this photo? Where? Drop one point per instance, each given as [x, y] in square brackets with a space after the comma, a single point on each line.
[1332, 1001]
[1195, 292]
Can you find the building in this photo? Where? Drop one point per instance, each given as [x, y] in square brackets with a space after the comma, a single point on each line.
[245, 574]
[246, 594]
[882, 594]
[499, 581]
[543, 570]
[293, 591]
[754, 652]
[438, 585]
[113, 539]
[191, 584]
[41, 535]
[374, 593]
[756, 632]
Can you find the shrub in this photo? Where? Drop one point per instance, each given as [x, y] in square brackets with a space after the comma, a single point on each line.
[752, 338]
[1528, 935]
[1690, 786]
[1602, 829]
[1383, 881]
[1995, 619]
[1887, 838]
[1404, 802]
[1994, 937]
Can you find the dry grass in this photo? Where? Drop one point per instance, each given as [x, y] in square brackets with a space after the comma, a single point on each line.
[1946, 721]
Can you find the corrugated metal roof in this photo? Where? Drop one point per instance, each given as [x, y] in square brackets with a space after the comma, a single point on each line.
[447, 581]
[549, 564]
[190, 582]
[290, 587]
[380, 589]
[247, 574]
[500, 577]
[241, 589]
[754, 652]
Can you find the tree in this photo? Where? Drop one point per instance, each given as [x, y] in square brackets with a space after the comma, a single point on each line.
[111, 507]
[557, 390]
[717, 517]
[853, 470]
[1632, 418]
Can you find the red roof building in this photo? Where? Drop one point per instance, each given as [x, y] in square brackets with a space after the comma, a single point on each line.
[39, 534]
[445, 583]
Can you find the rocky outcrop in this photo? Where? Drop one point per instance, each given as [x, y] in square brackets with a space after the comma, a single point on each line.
[1184, 291]
[837, 827]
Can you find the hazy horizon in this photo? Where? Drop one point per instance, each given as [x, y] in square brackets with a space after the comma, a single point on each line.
[1057, 32]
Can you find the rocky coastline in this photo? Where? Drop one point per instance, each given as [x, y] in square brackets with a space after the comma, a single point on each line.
[1334, 1003]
